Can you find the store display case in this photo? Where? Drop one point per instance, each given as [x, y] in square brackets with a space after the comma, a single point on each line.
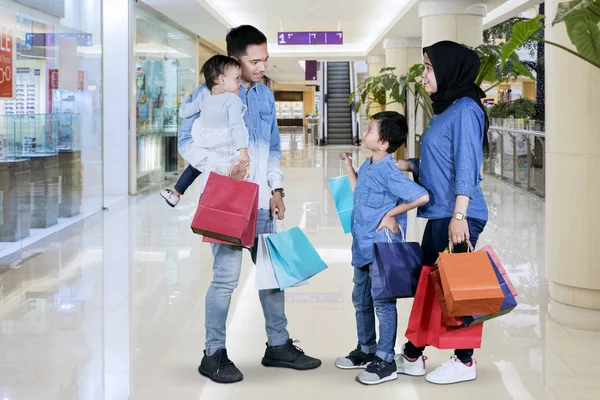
[298, 110]
[285, 110]
[69, 164]
[37, 134]
[171, 128]
[69, 135]
[45, 190]
[15, 188]
[289, 113]
[37, 139]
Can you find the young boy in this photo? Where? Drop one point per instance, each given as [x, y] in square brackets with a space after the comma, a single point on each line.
[382, 196]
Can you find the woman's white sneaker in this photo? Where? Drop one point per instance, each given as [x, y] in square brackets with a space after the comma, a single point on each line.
[169, 197]
[453, 371]
[408, 367]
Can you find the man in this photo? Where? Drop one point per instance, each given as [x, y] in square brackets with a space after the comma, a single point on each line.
[249, 47]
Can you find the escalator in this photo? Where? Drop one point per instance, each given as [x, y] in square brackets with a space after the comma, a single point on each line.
[339, 111]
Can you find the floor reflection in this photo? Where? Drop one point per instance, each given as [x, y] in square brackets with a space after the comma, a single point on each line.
[114, 307]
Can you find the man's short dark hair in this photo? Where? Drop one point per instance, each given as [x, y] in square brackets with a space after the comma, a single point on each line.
[238, 40]
[215, 66]
[393, 129]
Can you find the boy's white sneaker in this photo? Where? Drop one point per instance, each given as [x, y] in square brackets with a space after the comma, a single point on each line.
[453, 371]
[412, 368]
[169, 197]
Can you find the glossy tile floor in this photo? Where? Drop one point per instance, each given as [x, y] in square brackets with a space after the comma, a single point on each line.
[113, 308]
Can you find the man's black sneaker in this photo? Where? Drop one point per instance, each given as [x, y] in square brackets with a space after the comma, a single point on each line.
[289, 356]
[378, 371]
[357, 359]
[220, 368]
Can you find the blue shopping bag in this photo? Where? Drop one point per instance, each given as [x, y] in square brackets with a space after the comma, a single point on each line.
[294, 258]
[509, 303]
[343, 199]
[396, 268]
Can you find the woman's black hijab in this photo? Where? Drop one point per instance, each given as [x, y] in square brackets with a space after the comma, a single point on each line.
[456, 68]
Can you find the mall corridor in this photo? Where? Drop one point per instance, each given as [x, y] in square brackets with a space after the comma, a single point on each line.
[113, 308]
[111, 108]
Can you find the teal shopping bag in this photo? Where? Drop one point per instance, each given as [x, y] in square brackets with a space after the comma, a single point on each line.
[343, 199]
[294, 258]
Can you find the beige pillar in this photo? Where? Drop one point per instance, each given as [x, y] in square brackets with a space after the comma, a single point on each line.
[401, 53]
[572, 184]
[375, 64]
[460, 21]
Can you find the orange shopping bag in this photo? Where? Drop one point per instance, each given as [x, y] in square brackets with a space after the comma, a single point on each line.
[470, 284]
[436, 282]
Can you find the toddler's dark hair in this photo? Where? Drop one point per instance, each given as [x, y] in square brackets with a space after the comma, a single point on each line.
[240, 38]
[215, 66]
[393, 129]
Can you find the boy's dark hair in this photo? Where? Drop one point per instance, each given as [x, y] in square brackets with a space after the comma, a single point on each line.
[393, 129]
[215, 66]
[238, 39]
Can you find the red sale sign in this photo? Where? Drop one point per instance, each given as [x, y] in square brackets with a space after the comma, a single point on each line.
[8, 22]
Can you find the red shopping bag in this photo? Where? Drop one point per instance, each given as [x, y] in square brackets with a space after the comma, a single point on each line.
[227, 211]
[426, 326]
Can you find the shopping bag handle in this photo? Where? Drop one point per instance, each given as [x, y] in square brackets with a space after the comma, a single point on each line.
[470, 248]
[342, 173]
[278, 225]
[389, 238]
[236, 161]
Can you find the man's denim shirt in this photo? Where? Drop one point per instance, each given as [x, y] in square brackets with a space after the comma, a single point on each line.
[264, 143]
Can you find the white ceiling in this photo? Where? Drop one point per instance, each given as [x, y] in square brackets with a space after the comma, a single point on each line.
[365, 23]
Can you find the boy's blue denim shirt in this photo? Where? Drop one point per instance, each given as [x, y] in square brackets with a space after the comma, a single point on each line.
[450, 164]
[264, 145]
[379, 188]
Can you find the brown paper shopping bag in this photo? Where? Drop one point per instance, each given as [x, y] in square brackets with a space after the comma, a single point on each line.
[470, 284]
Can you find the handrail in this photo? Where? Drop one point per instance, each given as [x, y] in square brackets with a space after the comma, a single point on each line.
[517, 157]
[521, 131]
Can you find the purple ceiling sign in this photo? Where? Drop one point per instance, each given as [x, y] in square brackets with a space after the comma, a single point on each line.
[310, 38]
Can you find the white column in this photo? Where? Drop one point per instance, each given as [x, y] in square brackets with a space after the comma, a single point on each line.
[118, 41]
[375, 64]
[572, 190]
[401, 53]
[460, 21]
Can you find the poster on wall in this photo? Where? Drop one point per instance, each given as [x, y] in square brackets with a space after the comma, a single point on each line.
[27, 97]
[52, 84]
[8, 21]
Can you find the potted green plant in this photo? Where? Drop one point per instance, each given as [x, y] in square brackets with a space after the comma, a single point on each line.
[380, 90]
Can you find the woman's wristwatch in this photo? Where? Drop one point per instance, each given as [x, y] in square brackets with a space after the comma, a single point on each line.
[460, 216]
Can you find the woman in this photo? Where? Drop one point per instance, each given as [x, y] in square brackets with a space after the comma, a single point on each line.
[452, 150]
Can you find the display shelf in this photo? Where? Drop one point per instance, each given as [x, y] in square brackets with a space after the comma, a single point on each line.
[15, 200]
[46, 191]
[70, 183]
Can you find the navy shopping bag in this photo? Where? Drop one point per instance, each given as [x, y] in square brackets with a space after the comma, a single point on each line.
[509, 303]
[396, 268]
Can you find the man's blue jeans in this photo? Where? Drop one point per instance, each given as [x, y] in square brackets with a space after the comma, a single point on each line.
[226, 274]
[366, 308]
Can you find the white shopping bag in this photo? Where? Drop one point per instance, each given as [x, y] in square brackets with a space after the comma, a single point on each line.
[265, 276]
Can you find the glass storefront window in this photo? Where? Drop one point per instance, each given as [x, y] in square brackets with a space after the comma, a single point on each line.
[50, 119]
[166, 72]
